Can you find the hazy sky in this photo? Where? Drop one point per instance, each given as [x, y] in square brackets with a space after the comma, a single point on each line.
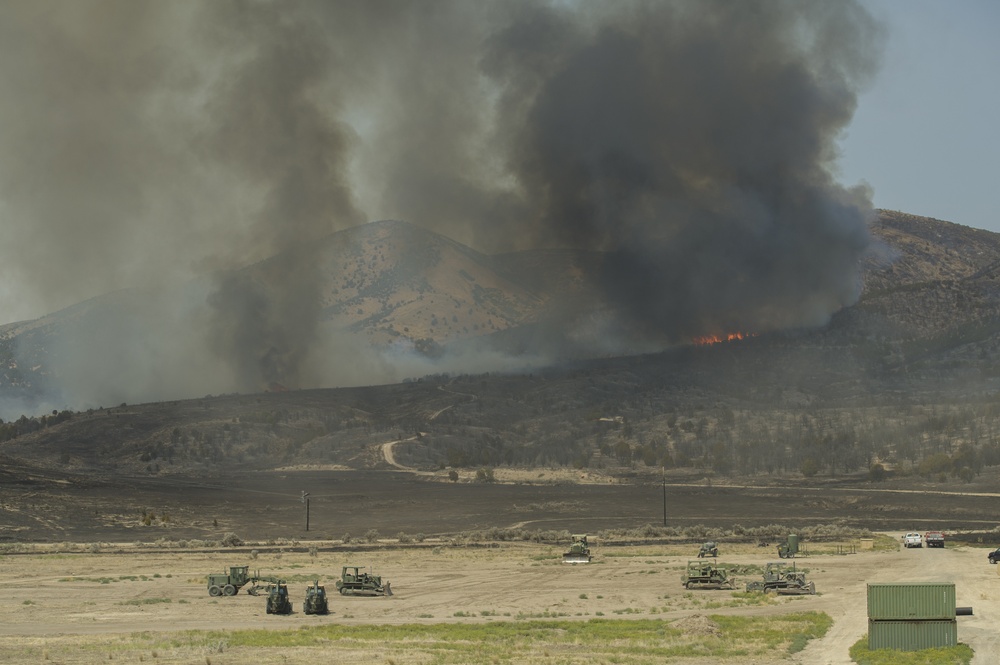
[926, 135]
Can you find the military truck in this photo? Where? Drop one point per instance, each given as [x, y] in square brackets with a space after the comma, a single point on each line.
[579, 551]
[783, 579]
[705, 575]
[229, 584]
[277, 599]
[789, 548]
[315, 602]
[354, 581]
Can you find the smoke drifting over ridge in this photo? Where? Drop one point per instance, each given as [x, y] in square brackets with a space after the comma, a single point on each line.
[146, 143]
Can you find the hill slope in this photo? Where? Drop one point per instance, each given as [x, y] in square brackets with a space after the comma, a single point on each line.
[908, 378]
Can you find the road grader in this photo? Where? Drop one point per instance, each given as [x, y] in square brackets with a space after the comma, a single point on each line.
[783, 580]
[710, 548]
[229, 584]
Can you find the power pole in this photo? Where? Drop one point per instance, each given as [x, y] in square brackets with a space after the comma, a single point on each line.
[305, 500]
[663, 471]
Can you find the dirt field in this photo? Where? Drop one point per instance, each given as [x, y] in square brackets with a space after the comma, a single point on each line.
[90, 608]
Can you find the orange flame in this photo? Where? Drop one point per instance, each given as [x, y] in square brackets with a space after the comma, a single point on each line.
[718, 339]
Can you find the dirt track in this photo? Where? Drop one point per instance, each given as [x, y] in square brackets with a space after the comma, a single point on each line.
[53, 597]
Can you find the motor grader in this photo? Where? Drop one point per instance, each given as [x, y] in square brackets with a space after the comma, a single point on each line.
[229, 584]
[354, 581]
[579, 550]
[710, 548]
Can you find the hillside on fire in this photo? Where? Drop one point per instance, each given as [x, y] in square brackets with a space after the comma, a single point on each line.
[902, 382]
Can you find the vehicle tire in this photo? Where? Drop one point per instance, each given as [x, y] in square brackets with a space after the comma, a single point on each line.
[229, 590]
[993, 560]
[214, 590]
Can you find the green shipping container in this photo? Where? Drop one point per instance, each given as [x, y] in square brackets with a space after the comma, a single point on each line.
[912, 635]
[907, 602]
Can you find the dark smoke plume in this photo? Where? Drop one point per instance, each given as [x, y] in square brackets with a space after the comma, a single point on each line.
[692, 142]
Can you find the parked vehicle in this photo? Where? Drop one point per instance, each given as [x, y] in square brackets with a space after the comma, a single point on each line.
[913, 539]
[354, 581]
[277, 599]
[579, 550]
[994, 556]
[229, 584]
[783, 579]
[315, 602]
[704, 575]
[934, 539]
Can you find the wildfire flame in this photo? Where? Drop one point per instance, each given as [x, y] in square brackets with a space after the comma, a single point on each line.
[718, 339]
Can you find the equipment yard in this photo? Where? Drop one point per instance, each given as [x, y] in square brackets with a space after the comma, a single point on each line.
[128, 604]
[117, 569]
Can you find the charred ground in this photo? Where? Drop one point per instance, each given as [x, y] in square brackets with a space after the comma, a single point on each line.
[897, 392]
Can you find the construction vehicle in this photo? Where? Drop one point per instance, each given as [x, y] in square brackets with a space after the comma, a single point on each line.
[277, 599]
[789, 548]
[315, 602]
[229, 584]
[704, 575]
[355, 582]
[579, 551]
[711, 548]
[781, 579]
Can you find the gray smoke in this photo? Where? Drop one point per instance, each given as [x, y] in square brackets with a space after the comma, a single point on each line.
[693, 143]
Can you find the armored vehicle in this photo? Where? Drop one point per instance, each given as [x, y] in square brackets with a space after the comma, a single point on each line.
[229, 584]
[315, 602]
[355, 582]
[711, 548]
[782, 579]
[579, 551]
[277, 599]
[704, 575]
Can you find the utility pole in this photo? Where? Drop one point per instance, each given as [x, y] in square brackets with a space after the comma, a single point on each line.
[663, 471]
[305, 500]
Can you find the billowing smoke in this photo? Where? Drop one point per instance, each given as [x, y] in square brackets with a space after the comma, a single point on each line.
[146, 143]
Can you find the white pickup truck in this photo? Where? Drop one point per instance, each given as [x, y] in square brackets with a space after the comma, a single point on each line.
[913, 539]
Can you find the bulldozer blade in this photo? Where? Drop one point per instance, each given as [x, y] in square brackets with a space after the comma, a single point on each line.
[569, 558]
[388, 589]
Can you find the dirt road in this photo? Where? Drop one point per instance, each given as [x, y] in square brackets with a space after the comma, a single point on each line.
[53, 597]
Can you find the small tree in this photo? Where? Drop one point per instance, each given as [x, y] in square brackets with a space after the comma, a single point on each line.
[453, 476]
[809, 468]
[231, 540]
